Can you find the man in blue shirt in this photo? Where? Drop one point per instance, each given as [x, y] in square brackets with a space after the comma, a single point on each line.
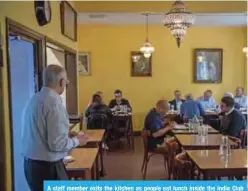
[240, 98]
[207, 101]
[191, 108]
[157, 128]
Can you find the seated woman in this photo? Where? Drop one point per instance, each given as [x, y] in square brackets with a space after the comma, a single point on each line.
[98, 115]
[96, 110]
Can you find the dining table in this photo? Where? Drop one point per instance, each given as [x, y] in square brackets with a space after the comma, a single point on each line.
[184, 129]
[195, 142]
[211, 164]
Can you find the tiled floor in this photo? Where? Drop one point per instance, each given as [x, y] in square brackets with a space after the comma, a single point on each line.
[126, 165]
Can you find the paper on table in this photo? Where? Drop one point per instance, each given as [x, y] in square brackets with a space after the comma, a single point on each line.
[68, 159]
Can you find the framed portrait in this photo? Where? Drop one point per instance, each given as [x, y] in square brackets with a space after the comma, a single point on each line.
[140, 66]
[208, 65]
[68, 20]
[84, 64]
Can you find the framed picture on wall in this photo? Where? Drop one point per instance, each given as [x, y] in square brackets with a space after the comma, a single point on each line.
[68, 20]
[208, 65]
[140, 66]
[84, 64]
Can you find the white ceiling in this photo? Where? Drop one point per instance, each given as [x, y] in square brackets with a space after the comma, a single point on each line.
[217, 19]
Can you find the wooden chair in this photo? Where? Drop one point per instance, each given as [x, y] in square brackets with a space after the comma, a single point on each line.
[182, 169]
[235, 140]
[173, 148]
[148, 153]
[243, 137]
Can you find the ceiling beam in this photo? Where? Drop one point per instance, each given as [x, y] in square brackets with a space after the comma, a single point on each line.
[160, 6]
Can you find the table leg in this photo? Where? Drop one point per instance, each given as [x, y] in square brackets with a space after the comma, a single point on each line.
[81, 125]
[87, 174]
[101, 158]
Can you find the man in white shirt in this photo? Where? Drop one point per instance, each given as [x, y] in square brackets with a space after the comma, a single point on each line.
[240, 98]
[45, 132]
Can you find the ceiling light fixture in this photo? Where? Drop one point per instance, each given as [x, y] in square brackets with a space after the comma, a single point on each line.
[178, 20]
[147, 49]
[245, 50]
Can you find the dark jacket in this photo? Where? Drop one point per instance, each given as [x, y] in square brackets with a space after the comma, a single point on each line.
[233, 123]
[113, 103]
[98, 115]
[174, 103]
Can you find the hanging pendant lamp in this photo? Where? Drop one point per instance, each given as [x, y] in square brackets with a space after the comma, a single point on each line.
[147, 49]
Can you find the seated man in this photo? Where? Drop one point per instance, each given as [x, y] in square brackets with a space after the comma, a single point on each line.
[233, 121]
[191, 108]
[115, 103]
[240, 98]
[236, 105]
[156, 126]
[207, 101]
[177, 101]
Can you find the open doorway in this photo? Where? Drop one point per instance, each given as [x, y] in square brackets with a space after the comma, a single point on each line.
[23, 87]
[57, 53]
[24, 77]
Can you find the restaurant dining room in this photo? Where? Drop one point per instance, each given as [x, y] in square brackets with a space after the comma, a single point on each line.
[122, 90]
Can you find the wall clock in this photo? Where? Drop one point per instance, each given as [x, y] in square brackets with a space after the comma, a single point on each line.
[43, 12]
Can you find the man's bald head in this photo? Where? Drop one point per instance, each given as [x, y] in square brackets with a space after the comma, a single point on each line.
[162, 106]
[54, 76]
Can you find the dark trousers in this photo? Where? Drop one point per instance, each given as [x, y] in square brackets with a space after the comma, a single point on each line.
[38, 171]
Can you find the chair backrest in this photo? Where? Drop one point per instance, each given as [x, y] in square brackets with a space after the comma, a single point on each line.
[145, 134]
[235, 140]
[182, 167]
[243, 137]
[97, 121]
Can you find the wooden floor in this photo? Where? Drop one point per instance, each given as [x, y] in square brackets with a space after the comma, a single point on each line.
[126, 165]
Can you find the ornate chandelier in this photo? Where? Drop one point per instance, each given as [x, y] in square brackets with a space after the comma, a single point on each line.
[245, 50]
[178, 20]
[147, 49]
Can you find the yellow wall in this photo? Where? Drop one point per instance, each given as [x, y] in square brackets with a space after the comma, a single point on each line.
[23, 12]
[110, 48]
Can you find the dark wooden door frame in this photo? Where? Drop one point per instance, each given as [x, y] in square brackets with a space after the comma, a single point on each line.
[12, 27]
[67, 51]
[2, 140]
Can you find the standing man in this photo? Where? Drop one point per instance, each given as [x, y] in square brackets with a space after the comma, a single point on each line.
[240, 98]
[45, 132]
[191, 108]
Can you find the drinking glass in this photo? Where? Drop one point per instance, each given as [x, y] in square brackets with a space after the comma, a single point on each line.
[201, 121]
[172, 107]
[224, 140]
[190, 124]
[223, 149]
[125, 108]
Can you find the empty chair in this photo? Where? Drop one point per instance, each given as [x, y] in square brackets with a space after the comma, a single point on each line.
[182, 167]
